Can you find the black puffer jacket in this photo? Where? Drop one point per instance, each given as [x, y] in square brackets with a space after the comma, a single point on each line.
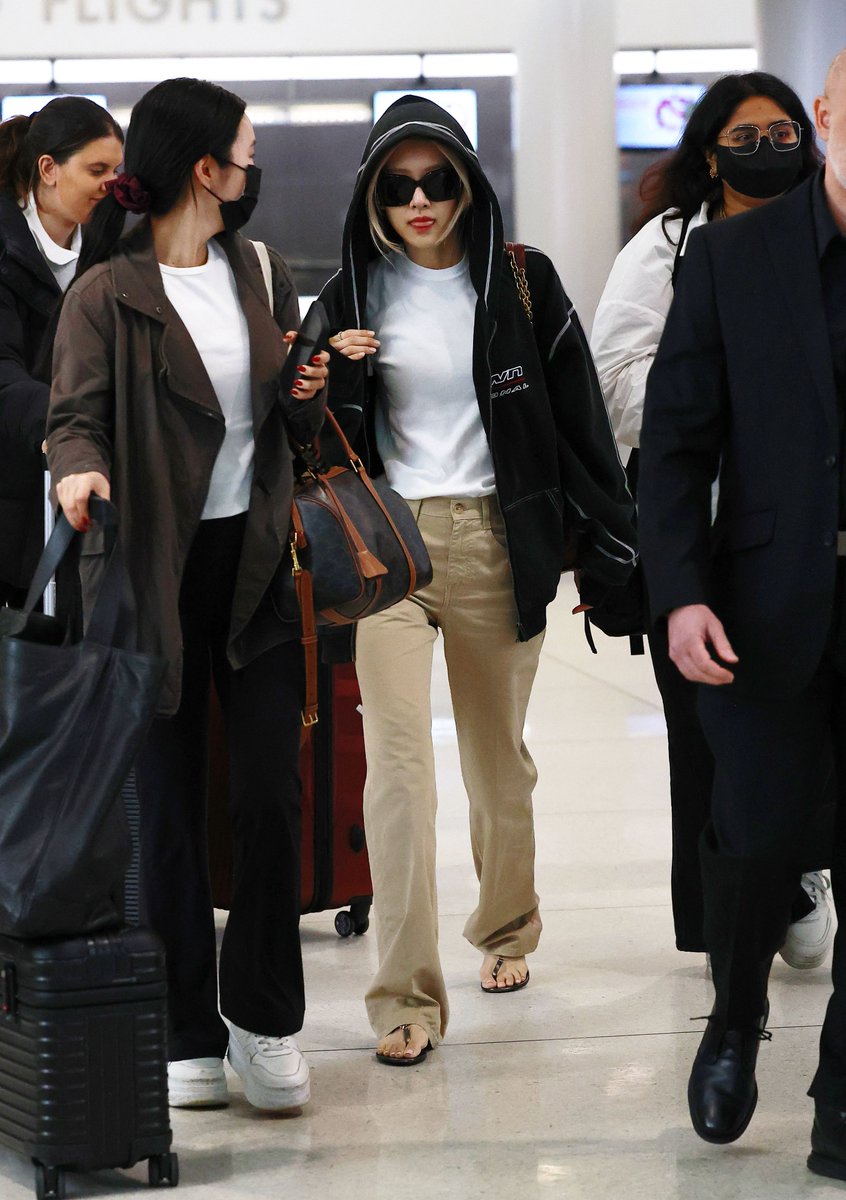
[28, 296]
[555, 461]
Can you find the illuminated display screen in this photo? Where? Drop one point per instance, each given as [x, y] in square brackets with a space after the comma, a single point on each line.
[651, 116]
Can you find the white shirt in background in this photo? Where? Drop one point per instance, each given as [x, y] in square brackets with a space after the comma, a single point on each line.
[60, 259]
[631, 316]
[206, 299]
[429, 433]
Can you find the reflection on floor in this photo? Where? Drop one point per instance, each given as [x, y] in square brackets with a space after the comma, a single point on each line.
[573, 1088]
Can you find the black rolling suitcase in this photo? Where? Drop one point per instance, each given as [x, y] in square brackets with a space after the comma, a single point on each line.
[83, 1056]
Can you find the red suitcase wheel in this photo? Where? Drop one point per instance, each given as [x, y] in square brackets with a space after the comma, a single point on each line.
[344, 924]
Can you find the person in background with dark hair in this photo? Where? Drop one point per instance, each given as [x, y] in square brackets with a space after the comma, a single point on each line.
[747, 140]
[166, 398]
[54, 168]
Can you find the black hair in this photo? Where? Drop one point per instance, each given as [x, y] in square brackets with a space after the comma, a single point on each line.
[681, 182]
[172, 126]
[61, 129]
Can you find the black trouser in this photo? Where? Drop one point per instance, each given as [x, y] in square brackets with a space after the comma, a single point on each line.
[14, 597]
[691, 780]
[261, 977]
[691, 783]
[774, 759]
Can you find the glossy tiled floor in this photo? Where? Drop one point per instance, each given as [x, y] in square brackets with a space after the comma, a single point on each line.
[574, 1088]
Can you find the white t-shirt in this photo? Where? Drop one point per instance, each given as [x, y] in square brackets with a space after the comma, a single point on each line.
[60, 259]
[631, 316]
[428, 429]
[206, 299]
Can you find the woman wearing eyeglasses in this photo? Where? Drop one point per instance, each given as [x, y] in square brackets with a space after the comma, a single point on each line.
[492, 427]
[747, 141]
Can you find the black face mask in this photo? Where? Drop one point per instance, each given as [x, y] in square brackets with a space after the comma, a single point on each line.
[236, 213]
[762, 175]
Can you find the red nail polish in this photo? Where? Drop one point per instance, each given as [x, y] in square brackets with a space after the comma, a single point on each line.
[302, 370]
[294, 392]
[316, 359]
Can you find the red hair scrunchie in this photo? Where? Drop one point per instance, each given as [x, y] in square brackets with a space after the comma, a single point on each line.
[130, 193]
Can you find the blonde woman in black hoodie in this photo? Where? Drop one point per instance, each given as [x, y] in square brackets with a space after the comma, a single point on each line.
[492, 426]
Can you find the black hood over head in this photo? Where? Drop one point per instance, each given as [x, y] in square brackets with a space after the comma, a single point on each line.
[416, 117]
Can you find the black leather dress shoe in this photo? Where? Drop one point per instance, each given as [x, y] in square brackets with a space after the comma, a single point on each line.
[828, 1143]
[722, 1091]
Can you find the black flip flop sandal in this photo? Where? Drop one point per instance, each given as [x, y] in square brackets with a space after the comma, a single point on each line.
[392, 1061]
[512, 987]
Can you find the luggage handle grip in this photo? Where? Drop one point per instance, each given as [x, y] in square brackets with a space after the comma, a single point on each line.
[113, 615]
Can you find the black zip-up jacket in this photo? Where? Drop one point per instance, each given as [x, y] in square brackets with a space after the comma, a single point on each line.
[555, 460]
[28, 295]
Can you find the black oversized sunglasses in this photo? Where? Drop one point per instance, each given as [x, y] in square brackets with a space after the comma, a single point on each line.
[443, 183]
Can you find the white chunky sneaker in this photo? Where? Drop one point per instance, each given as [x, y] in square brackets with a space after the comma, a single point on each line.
[809, 939]
[273, 1070]
[196, 1083]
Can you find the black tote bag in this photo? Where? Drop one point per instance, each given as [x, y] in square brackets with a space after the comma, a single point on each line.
[72, 717]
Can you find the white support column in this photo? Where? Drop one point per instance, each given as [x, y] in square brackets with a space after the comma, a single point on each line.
[798, 41]
[566, 165]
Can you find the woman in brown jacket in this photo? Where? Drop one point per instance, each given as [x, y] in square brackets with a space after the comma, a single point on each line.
[166, 397]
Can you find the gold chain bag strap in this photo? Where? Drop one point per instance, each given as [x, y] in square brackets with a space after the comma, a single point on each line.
[517, 254]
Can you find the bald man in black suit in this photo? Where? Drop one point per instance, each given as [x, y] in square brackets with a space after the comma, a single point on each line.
[749, 387]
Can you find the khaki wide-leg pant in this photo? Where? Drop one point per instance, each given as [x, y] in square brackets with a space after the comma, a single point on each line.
[471, 600]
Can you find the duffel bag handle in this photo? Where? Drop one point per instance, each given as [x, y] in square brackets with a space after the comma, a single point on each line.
[358, 466]
[302, 576]
[350, 454]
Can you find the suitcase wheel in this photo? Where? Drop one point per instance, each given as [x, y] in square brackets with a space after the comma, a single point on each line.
[49, 1182]
[360, 914]
[163, 1170]
[344, 923]
[356, 921]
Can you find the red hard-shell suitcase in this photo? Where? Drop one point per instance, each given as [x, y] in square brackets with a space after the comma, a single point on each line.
[335, 870]
[83, 1056]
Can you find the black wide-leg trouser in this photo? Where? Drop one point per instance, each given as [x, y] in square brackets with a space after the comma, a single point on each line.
[775, 762]
[691, 779]
[691, 784]
[260, 972]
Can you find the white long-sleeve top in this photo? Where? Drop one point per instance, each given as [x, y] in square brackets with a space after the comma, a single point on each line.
[630, 319]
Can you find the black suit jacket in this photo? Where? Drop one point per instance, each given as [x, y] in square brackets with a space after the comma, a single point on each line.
[743, 388]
